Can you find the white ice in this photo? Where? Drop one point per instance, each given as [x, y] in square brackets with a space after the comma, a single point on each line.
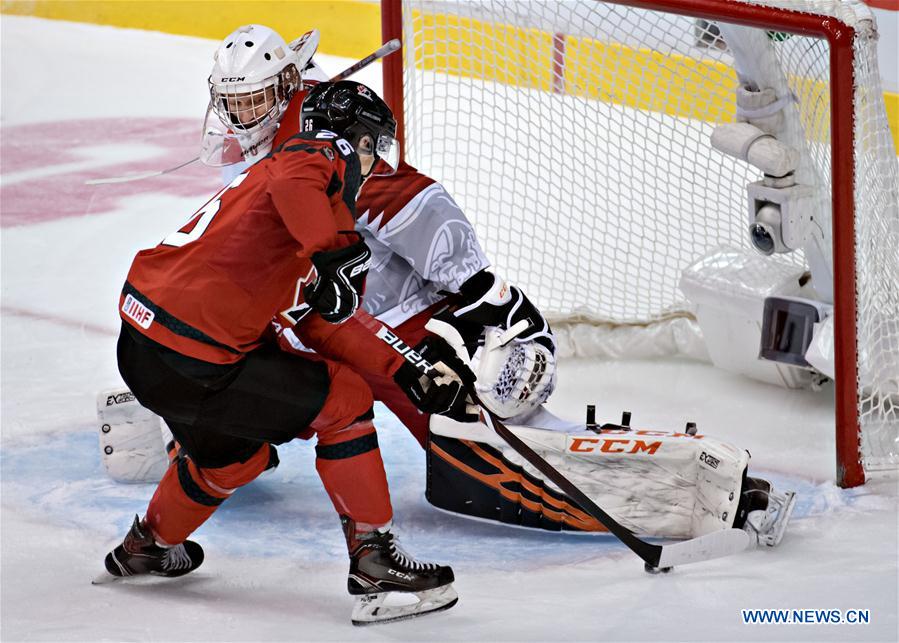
[276, 563]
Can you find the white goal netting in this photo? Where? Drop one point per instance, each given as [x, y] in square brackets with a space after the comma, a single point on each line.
[575, 135]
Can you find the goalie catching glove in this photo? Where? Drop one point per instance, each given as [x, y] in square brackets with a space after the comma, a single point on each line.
[438, 382]
[340, 281]
[487, 300]
[516, 367]
[515, 378]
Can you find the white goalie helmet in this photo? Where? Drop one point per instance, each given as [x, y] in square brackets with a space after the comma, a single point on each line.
[513, 378]
[254, 76]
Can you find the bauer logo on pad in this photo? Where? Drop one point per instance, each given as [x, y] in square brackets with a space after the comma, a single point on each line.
[138, 312]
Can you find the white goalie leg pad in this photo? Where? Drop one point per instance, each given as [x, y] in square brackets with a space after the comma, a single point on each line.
[131, 438]
[655, 483]
[385, 607]
[515, 378]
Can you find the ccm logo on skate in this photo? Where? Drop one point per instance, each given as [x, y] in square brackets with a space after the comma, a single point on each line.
[138, 312]
[612, 445]
[403, 349]
[710, 460]
[121, 398]
[399, 575]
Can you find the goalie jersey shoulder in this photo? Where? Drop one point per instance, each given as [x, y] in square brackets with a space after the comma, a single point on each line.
[383, 197]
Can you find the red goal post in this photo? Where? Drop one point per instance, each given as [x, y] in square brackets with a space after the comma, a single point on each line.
[841, 38]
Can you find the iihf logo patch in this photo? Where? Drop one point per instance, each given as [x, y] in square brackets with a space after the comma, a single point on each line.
[365, 91]
[135, 310]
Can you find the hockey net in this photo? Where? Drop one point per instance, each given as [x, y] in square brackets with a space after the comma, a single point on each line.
[575, 135]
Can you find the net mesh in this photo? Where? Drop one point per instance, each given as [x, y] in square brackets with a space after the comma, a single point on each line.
[575, 136]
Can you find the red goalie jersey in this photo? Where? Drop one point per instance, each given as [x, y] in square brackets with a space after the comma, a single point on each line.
[211, 289]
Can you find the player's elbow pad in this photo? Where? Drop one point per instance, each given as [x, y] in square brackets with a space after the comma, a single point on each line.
[489, 301]
[338, 287]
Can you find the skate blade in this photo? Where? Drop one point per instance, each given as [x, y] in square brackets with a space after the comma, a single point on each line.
[104, 578]
[371, 610]
[780, 526]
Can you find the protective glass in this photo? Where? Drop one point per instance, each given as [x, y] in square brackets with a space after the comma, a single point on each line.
[387, 152]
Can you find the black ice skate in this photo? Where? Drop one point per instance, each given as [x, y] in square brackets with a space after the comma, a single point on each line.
[381, 574]
[139, 554]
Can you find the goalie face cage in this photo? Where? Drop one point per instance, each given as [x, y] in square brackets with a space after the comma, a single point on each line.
[578, 131]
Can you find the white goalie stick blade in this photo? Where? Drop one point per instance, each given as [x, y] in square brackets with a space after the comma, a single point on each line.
[714, 545]
[373, 609]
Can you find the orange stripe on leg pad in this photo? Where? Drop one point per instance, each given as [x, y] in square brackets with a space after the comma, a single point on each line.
[565, 512]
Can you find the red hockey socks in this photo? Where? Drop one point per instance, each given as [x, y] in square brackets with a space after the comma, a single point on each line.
[187, 494]
[348, 459]
[349, 464]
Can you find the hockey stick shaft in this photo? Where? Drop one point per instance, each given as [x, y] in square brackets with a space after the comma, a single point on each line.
[384, 50]
[381, 52]
[139, 177]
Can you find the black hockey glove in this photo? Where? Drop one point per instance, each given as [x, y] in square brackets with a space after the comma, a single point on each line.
[338, 288]
[440, 383]
[488, 300]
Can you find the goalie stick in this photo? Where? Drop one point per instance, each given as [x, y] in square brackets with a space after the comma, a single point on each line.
[657, 557]
[384, 50]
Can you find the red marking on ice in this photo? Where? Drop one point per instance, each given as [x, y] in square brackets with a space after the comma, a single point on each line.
[60, 321]
[42, 146]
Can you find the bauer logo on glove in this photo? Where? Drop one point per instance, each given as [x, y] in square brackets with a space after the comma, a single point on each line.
[441, 388]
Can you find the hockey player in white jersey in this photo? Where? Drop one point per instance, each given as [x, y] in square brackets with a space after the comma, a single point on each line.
[427, 263]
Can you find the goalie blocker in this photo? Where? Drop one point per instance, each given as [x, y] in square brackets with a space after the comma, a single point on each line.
[655, 483]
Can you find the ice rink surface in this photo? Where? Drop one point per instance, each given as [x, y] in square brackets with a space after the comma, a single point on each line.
[81, 102]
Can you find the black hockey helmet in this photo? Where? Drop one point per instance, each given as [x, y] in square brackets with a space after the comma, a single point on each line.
[352, 110]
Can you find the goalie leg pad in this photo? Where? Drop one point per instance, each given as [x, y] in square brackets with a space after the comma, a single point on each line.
[475, 479]
[131, 438]
[668, 485]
